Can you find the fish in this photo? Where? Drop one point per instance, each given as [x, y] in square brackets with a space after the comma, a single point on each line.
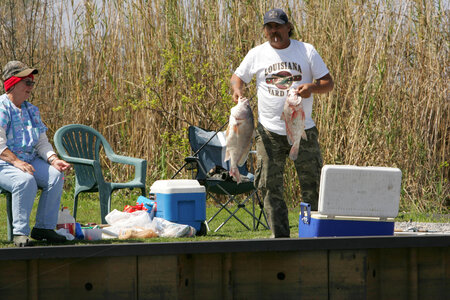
[239, 136]
[294, 118]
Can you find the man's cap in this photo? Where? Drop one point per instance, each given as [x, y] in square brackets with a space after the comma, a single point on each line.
[275, 15]
[17, 69]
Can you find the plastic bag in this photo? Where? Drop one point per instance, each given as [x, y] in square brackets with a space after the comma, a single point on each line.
[166, 228]
[64, 232]
[139, 225]
[123, 219]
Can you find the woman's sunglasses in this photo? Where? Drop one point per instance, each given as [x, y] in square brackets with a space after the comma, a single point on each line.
[29, 82]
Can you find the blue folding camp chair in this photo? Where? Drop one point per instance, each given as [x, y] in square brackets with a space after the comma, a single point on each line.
[209, 148]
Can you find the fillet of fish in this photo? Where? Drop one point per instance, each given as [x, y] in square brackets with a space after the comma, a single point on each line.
[294, 118]
[239, 135]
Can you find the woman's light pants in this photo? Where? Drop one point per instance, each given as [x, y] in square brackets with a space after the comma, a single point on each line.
[24, 186]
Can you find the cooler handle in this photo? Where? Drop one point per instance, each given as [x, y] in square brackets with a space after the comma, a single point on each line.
[306, 219]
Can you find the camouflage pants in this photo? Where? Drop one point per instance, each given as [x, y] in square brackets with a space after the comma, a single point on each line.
[272, 151]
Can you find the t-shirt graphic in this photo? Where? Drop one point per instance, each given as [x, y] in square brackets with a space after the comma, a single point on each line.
[283, 79]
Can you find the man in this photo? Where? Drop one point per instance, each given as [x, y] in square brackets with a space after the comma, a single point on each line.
[281, 64]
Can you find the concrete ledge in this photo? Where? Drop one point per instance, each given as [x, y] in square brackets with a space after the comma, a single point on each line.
[229, 246]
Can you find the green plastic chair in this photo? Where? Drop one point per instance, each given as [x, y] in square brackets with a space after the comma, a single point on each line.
[79, 145]
[9, 216]
[9, 219]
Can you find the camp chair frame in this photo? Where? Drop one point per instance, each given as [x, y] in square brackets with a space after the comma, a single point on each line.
[228, 188]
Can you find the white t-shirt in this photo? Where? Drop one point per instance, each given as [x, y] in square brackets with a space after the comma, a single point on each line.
[278, 70]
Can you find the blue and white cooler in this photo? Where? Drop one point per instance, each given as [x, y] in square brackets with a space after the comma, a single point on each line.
[353, 201]
[180, 201]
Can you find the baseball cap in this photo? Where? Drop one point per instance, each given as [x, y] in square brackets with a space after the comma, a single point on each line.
[17, 69]
[276, 15]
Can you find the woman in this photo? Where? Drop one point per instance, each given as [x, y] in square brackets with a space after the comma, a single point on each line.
[27, 159]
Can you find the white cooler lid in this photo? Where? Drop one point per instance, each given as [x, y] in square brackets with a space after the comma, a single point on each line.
[176, 186]
[359, 191]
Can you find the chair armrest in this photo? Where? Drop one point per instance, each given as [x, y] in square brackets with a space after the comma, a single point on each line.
[140, 165]
[125, 159]
[191, 159]
[87, 162]
[77, 160]
[192, 164]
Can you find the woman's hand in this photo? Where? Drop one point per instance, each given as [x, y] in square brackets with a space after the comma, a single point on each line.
[60, 165]
[24, 166]
[8, 156]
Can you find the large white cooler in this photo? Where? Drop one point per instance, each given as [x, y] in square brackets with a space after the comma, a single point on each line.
[353, 201]
[180, 201]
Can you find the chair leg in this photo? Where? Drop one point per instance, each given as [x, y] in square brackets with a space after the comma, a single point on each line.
[241, 205]
[222, 206]
[261, 213]
[253, 210]
[232, 214]
[143, 191]
[105, 203]
[254, 218]
[75, 204]
[9, 218]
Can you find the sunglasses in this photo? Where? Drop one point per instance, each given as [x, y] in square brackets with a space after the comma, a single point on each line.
[29, 82]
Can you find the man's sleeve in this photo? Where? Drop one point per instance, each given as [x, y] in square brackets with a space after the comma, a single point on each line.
[245, 69]
[318, 67]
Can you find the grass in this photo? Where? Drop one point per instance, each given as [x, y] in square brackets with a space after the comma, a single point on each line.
[89, 212]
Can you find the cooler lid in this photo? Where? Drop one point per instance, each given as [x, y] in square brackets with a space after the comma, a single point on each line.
[359, 191]
[176, 186]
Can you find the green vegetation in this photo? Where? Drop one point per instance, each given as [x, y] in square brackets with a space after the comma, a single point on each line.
[89, 212]
[141, 72]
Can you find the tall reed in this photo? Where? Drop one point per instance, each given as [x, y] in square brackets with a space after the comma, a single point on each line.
[142, 71]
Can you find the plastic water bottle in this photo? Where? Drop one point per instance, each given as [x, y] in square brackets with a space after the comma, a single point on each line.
[66, 220]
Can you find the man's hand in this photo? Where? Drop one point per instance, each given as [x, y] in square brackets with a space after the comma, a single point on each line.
[322, 85]
[305, 90]
[237, 85]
